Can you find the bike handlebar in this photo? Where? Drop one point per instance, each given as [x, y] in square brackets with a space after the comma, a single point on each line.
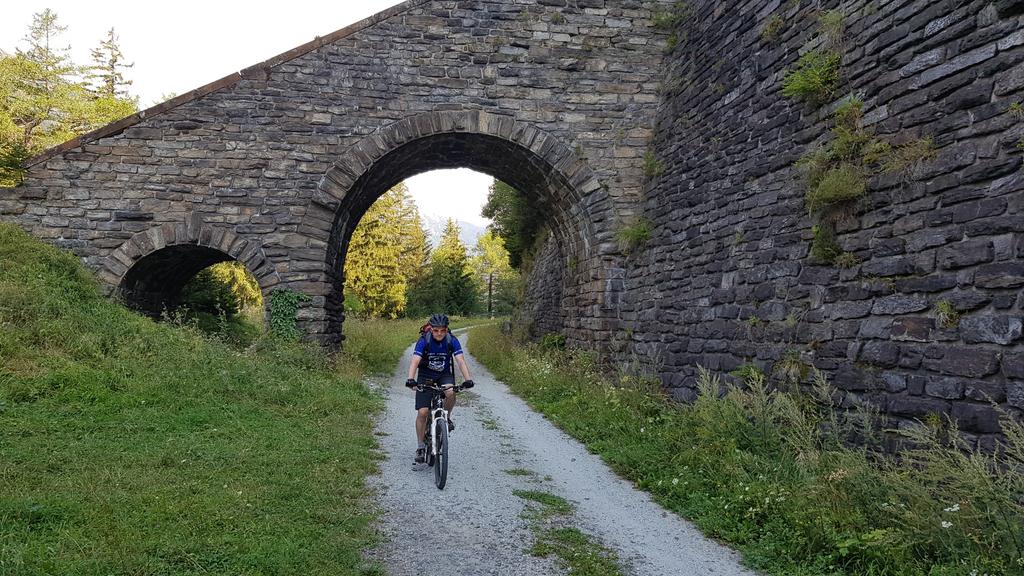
[435, 387]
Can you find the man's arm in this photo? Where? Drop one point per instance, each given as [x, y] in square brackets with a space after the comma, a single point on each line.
[463, 367]
[413, 365]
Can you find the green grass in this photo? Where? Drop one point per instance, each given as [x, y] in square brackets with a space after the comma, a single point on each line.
[576, 551]
[375, 346]
[815, 78]
[132, 447]
[774, 474]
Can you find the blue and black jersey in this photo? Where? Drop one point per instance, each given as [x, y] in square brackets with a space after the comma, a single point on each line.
[435, 361]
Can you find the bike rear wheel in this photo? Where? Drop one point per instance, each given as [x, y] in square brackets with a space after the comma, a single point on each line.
[441, 460]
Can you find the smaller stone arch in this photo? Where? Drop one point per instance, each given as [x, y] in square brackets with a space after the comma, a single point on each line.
[149, 269]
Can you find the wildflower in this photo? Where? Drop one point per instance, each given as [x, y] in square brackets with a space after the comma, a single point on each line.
[946, 524]
[675, 481]
[953, 508]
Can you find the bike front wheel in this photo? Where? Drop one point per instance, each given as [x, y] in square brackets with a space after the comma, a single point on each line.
[441, 459]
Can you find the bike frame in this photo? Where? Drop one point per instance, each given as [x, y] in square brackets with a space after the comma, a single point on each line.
[437, 411]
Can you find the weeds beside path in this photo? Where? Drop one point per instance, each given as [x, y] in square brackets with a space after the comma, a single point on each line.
[131, 447]
[772, 473]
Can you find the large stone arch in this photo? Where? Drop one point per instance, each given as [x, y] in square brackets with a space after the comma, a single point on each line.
[149, 269]
[537, 163]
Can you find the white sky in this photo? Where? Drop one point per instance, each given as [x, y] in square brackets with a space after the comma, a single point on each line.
[181, 45]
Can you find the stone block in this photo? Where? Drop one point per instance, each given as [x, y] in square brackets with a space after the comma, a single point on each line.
[980, 418]
[966, 253]
[948, 388]
[992, 329]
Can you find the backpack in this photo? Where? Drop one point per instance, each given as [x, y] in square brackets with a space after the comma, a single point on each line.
[426, 337]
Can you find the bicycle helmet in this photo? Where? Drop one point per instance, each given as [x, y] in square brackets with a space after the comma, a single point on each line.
[438, 321]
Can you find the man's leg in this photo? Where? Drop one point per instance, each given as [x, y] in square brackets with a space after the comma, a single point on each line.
[449, 400]
[421, 424]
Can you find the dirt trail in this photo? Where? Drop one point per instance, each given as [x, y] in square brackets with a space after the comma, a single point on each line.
[473, 526]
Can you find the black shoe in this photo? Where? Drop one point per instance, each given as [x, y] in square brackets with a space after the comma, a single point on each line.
[421, 455]
[451, 425]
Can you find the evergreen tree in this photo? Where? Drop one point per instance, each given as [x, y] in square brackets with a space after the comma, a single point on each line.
[43, 101]
[493, 272]
[516, 220]
[373, 271]
[451, 279]
[108, 61]
[388, 252]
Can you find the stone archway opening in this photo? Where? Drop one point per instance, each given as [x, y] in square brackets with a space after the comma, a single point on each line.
[529, 169]
[154, 284]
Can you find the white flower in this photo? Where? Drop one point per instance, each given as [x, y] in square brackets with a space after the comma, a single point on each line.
[953, 508]
[946, 524]
[675, 480]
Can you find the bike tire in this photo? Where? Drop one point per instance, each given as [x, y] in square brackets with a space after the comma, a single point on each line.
[441, 460]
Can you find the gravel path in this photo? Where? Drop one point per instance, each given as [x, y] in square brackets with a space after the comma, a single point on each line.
[479, 529]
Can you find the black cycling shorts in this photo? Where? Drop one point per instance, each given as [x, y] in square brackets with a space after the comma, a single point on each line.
[423, 398]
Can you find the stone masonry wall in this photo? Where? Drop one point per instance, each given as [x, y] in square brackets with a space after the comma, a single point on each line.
[726, 279]
[257, 166]
[542, 309]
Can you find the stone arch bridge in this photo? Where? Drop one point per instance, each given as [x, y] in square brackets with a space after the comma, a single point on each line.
[275, 165]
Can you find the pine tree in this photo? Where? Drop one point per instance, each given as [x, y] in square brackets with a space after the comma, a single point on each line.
[373, 272]
[516, 220]
[42, 100]
[453, 279]
[105, 73]
[493, 272]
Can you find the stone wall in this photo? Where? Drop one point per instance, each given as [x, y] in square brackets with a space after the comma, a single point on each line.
[542, 308]
[726, 279]
[274, 166]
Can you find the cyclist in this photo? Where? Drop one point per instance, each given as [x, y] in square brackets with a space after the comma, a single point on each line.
[440, 350]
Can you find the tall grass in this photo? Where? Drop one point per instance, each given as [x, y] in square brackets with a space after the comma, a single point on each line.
[375, 346]
[775, 473]
[131, 447]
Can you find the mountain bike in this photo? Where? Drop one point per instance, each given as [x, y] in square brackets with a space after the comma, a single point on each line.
[436, 435]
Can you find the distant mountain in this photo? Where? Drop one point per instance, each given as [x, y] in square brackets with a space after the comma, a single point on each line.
[467, 232]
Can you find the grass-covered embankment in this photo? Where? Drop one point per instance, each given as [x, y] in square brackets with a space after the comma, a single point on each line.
[131, 447]
[772, 474]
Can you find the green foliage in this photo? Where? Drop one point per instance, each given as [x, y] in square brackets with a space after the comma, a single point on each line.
[1016, 110]
[496, 279]
[388, 252]
[946, 315]
[553, 341]
[12, 159]
[846, 260]
[105, 72]
[135, 447]
[284, 308]
[825, 246]
[840, 186]
[772, 28]
[830, 26]
[836, 176]
[815, 78]
[515, 219]
[907, 159]
[671, 18]
[226, 287]
[775, 474]
[449, 285]
[791, 367]
[44, 101]
[748, 372]
[652, 165]
[633, 236]
[575, 551]
[375, 346]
